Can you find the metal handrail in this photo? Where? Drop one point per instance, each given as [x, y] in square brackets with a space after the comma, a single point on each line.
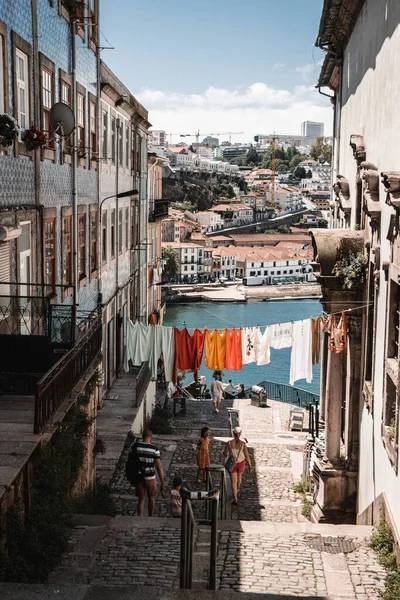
[287, 393]
[59, 381]
[188, 523]
[233, 411]
[223, 489]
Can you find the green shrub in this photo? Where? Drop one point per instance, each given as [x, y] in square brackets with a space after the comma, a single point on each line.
[160, 421]
[382, 542]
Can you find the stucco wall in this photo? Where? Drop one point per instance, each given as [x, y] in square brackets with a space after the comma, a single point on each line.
[370, 106]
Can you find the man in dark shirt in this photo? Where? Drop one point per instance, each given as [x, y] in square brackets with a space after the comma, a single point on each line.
[150, 461]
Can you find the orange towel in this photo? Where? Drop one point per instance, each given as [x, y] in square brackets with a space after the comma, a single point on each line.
[215, 350]
[233, 356]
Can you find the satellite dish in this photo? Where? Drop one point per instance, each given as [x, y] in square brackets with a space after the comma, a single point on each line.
[62, 119]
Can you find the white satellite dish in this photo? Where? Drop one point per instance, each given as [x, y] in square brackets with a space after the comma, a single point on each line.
[62, 119]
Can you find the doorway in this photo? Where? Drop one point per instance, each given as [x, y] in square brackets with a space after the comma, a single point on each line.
[25, 277]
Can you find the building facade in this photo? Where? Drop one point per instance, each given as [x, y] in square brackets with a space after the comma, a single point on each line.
[360, 471]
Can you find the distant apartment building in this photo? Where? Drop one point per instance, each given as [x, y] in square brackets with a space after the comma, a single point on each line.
[229, 152]
[168, 230]
[235, 214]
[217, 152]
[224, 263]
[157, 137]
[272, 266]
[310, 130]
[182, 230]
[190, 259]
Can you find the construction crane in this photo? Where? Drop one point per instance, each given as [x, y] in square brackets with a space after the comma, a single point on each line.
[273, 169]
[198, 134]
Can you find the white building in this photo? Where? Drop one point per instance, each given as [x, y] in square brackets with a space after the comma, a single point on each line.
[224, 263]
[237, 214]
[360, 402]
[310, 130]
[281, 270]
[157, 137]
[212, 221]
[190, 259]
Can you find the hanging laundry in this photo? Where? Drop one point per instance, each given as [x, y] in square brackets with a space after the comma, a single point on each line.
[264, 350]
[233, 356]
[281, 335]
[138, 344]
[188, 352]
[316, 328]
[337, 334]
[250, 344]
[215, 350]
[163, 342]
[301, 356]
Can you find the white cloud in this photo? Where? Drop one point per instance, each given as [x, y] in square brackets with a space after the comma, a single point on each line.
[309, 71]
[256, 109]
[278, 66]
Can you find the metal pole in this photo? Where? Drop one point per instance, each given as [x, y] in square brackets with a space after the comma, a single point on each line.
[190, 551]
[183, 544]
[213, 545]
[317, 420]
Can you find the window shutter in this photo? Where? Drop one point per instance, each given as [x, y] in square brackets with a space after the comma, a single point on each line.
[5, 265]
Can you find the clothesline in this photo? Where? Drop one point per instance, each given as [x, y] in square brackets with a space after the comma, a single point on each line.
[338, 313]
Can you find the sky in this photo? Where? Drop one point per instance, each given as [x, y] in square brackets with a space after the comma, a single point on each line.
[219, 65]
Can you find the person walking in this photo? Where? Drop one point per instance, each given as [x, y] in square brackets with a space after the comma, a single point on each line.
[217, 391]
[176, 499]
[203, 459]
[236, 449]
[149, 460]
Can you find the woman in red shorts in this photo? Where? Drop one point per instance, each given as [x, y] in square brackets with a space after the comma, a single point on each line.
[238, 450]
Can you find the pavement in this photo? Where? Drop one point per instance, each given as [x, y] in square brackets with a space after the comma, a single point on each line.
[265, 545]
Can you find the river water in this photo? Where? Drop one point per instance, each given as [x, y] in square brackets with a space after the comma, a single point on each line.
[221, 315]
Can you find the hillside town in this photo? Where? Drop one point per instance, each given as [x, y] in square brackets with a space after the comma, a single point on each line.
[199, 332]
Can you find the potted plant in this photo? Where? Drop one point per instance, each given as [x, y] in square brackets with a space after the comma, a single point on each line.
[34, 138]
[351, 263]
[8, 130]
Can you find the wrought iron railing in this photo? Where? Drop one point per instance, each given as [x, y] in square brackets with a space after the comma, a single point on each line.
[57, 384]
[287, 393]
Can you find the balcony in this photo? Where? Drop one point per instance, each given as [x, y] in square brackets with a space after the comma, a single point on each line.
[158, 210]
[46, 350]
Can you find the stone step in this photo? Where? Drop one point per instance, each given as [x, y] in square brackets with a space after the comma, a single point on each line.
[15, 591]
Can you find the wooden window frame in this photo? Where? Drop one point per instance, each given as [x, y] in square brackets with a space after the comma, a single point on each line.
[120, 142]
[113, 138]
[104, 237]
[120, 230]
[47, 66]
[127, 144]
[93, 234]
[127, 228]
[104, 132]
[52, 258]
[20, 44]
[93, 133]
[81, 130]
[65, 81]
[82, 244]
[66, 215]
[93, 25]
[113, 225]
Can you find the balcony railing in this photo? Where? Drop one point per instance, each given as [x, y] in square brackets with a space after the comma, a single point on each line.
[287, 393]
[158, 209]
[59, 381]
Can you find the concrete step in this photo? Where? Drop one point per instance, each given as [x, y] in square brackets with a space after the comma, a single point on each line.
[10, 591]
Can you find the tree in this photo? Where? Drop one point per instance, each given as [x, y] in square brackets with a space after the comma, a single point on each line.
[320, 149]
[297, 158]
[252, 157]
[171, 267]
[300, 173]
[309, 174]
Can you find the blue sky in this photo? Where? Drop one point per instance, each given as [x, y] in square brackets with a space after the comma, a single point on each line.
[247, 65]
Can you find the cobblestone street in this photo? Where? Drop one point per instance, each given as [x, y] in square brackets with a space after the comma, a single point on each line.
[265, 545]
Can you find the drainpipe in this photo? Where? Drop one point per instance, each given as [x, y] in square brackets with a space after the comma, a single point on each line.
[118, 132]
[74, 175]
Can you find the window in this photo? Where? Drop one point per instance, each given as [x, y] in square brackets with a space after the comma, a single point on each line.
[93, 128]
[185, 268]
[192, 268]
[121, 143]
[47, 102]
[66, 93]
[93, 241]
[2, 75]
[120, 231]
[113, 139]
[50, 255]
[22, 85]
[67, 250]
[126, 228]
[113, 233]
[127, 146]
[82, 245]
[104, 237]
[104, 127]
[81, 122]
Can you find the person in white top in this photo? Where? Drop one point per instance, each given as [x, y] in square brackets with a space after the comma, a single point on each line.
[229, 388]
[237, 449]
[217, 391]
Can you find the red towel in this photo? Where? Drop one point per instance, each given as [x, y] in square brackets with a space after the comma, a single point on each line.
[233, 356]
[188, 352]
